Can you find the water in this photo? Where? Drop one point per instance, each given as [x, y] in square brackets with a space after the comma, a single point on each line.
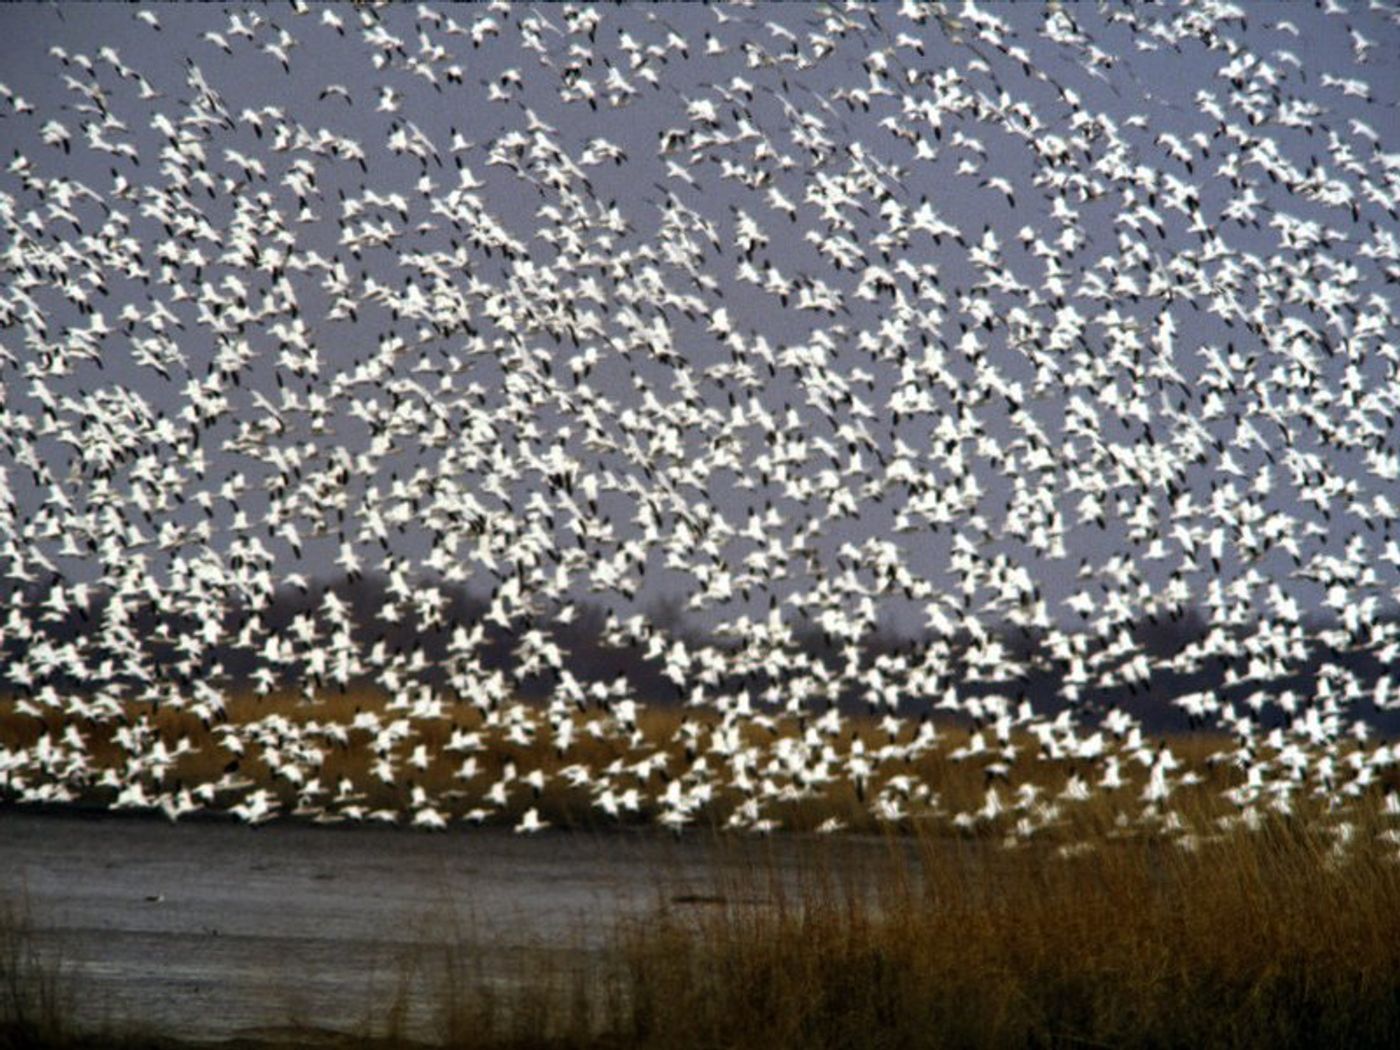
[213, 930]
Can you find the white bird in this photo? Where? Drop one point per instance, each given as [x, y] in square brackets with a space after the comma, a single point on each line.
[530, 822]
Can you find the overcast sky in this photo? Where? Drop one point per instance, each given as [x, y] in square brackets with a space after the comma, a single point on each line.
[793, 113]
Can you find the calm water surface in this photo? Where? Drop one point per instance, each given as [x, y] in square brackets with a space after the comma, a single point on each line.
[210, 930]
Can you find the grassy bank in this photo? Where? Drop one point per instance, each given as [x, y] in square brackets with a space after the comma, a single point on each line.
[315, 766]
[1273, 938]
[1257, 940]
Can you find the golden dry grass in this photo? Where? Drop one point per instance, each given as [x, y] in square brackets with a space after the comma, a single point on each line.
[1263, 939]
[1256, 940]
[958, 786]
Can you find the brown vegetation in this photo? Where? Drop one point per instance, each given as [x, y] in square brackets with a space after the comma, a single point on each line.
[1272, 938]
[956, 786]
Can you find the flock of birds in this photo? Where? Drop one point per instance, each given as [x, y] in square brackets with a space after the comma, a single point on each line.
[985, 323]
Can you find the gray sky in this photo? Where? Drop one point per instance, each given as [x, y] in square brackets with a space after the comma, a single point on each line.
[1112, 78]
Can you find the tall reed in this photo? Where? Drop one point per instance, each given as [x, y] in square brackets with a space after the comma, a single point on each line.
[1264, 939]
[33, 992]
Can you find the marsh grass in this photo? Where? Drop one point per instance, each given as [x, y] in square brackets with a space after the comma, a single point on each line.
[34, 991]
[1256, 940]
[1263, 939]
